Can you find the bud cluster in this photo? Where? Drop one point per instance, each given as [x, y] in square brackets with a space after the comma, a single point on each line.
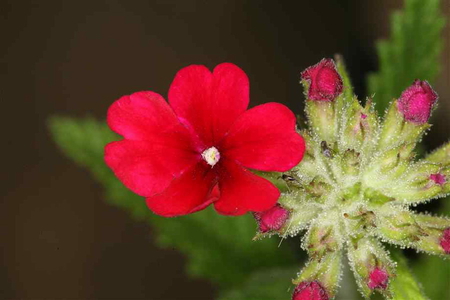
[356, 184]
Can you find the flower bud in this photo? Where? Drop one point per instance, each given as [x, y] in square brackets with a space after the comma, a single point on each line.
[310, 291]
[445, 240]
[416, 102]
[319, 278]
[371, 264]
[422, 182]
[325, 81]
[272, 219]
[378, 279]
[438, 178]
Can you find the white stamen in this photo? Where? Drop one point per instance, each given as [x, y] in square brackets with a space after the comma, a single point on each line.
[211, 156]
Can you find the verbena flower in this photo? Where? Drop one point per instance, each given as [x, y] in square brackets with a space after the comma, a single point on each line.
[203, 140]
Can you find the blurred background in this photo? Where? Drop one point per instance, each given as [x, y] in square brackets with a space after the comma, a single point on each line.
[59, 238]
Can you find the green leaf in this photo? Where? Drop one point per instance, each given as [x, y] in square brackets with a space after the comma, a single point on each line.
[404, 286]
[272, 284]
[219, 248]
[434, 274]
[412, 52]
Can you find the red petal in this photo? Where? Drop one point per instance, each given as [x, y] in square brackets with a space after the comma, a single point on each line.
[209, 102]
[264, 138]
[147, 116]
[242, 191]
[146, 167]
[186, 194]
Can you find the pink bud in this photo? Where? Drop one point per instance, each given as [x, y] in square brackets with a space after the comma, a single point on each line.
[416, 102]
[309, 291]
[445, 240]
[378, 279]
[438, 178]
[325, 81]
[271, 219]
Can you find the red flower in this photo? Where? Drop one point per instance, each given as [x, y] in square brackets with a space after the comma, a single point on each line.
[416, 102]
[176, 153]
[325, 81]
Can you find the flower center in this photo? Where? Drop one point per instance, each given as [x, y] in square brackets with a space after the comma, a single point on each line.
[211, 156]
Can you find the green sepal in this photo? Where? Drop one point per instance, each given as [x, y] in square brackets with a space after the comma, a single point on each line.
[323, 236]
[302, 212]
[407, 229]
[351, 135]
[396, 130]
[440, 155]
[322, 119]
[387, 167]
[417, 186]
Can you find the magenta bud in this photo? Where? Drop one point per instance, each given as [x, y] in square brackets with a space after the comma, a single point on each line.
[272, 219]
[378, 279]
[310, 291]
[438, 178]
[325, 81]
[416, 102]
[445, 240]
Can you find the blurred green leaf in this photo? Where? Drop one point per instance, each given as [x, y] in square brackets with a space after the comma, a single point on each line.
[219, 248]
[404, 286]
[272, 284]
[412, 51]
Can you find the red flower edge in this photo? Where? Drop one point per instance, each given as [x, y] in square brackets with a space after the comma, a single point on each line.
[198, 148]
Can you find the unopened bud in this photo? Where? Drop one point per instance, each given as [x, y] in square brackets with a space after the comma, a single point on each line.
[272, 219]
[325, 272]
[370, 261]
[325, 81]
[416, 102]
[438, 178]
[310, 291]
[378, 279]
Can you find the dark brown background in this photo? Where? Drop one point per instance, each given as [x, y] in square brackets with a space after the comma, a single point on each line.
[59, 239]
